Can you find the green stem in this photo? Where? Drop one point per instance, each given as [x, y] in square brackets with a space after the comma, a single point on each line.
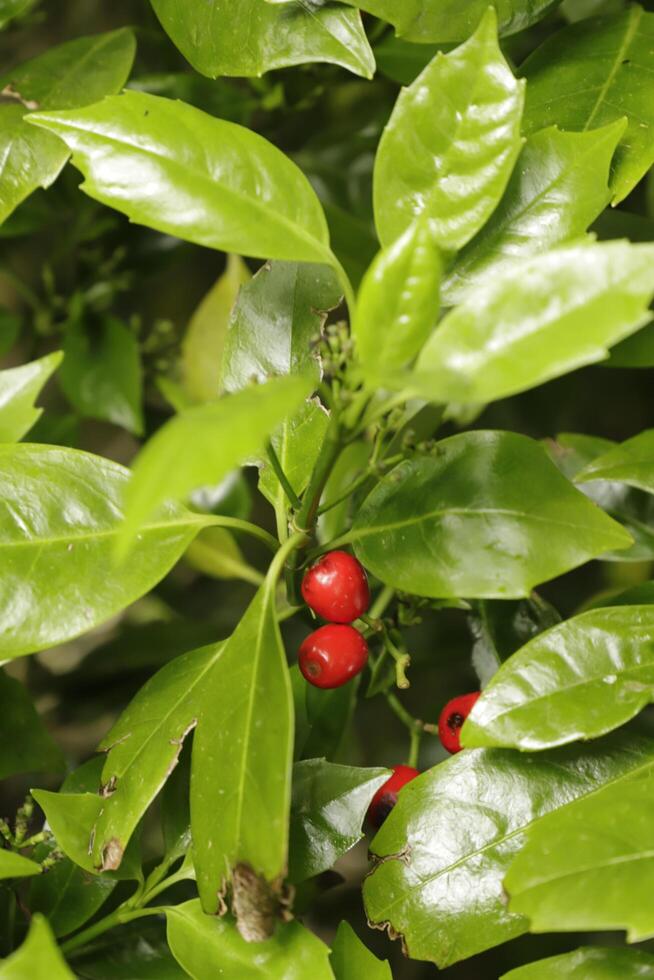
[293, 498]
[414, 725]
[117, 918]
[236, 524]
[381, 602]
[414, 748]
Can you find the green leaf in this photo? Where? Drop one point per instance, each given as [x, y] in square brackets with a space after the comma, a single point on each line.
[72, 74]
[451, 143]
[220, 38]
[298, 443]
[632, 463]
[38, 958]
[328, 808]
[101, 375]
[178, 170]
[70, 817]
[16, 866]
[322, 717]
[206, 946]
[274, 330]
[593, 73]
[204, 340]
[277, 322]
[143, 748]
[447, 845]
[242, 754]
[61, 518]
[67, 895]
[352, 960]
[19, 387]
[589, 963]
[499, 628]
[578, 680]
[402, 61]
[590, 865]
[536, 319]
[203, 444]
[139, 954]
[487, 516]
[633, 508]
[399, 301]
[216, 553]
[450, 20]
[26, 744]
[557, 189]
[12, 8]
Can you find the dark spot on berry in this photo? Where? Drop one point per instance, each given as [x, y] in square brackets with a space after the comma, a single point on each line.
[313, 669]
[455, 721]
[384, 807]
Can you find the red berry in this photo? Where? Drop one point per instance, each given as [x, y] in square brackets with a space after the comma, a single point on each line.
[451, 720]
[386, 796]
[336, 588]
[333, 655]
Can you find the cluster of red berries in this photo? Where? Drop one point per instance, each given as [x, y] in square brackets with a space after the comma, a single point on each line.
[336, 588]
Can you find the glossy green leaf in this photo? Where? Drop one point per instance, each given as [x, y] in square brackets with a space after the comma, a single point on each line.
[536, 319]
[67, 895]
[70, 817]
[253, 37]
[72, 74]
[450, 20]
[101, 374]
[633, 508]
[14, 865]
[298, 443]
[206, 946]
[446, 846]
[274, 330]
[277, 322]
[26, 744]
[399, 301]
[351, 959]
[450, 145]
[590, 865]
[499, 628]
[589, 963]
[578, 680]
[242, 754]
[19, 387]
[178, 170]
[215, 552]
[140, 954]
[38, 958]
[204, 340]
[203, 444]
[486, 516]
[322, 717]
[61, 518]
[402, 61]
[143, 747]
[632, 462]
[328, 808]
[593, 73]
[557, 189]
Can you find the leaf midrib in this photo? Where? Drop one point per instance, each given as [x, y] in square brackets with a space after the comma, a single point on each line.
[633, 21]
[357, 533]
